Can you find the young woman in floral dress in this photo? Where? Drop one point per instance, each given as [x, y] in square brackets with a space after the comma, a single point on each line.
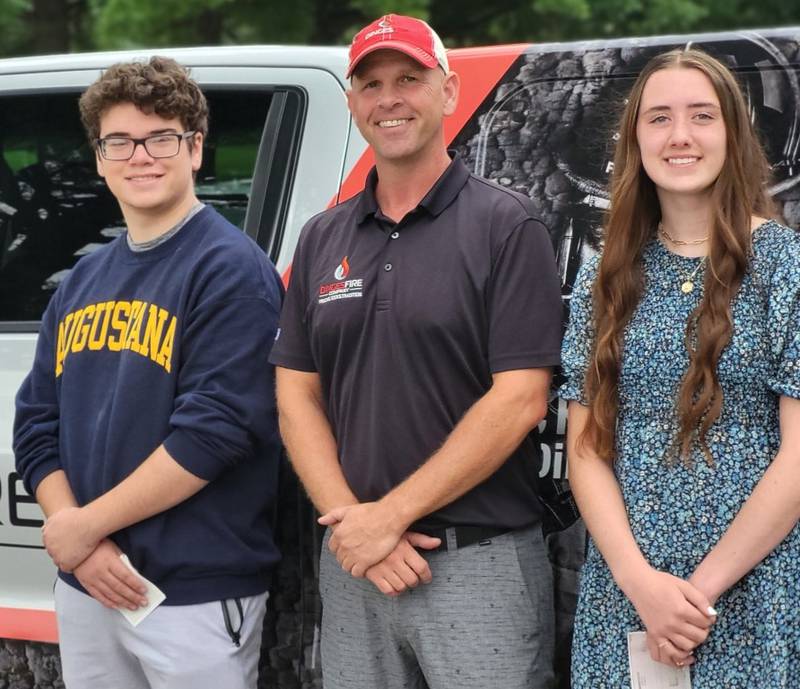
[682, 359]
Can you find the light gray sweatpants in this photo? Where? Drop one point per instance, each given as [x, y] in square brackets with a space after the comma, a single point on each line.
[486, 620]
[175, 647]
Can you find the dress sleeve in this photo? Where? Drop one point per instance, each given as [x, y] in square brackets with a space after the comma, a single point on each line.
[577, 345]
[784, 322]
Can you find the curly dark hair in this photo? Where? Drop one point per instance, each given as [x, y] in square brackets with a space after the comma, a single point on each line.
[160, 85]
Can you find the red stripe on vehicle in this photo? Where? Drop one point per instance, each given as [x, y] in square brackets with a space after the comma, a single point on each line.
[480, 69]
[28, 625]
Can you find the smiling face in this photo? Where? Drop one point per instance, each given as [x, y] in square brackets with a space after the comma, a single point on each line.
[681, 132]
[143, 184]
[398, 106]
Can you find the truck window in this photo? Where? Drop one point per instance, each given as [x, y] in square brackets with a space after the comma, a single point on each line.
[54, 208]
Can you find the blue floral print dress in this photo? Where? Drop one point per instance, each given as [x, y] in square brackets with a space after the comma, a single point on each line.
[678, 512]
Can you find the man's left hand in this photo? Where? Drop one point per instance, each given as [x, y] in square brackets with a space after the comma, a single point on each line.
[69, 538]
[404, 568]
[363, 535]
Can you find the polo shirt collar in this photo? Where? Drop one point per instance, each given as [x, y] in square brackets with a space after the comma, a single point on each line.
[440, 196]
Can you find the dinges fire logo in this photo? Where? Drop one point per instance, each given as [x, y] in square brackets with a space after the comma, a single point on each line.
[385, 27]
[342, 288]
[342, 270]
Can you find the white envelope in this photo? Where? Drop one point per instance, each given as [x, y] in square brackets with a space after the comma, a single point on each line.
[647, 673]
[155, 597]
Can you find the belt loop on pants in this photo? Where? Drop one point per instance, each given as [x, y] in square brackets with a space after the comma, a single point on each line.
[455, 537]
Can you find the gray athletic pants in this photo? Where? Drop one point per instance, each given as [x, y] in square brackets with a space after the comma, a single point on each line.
[175, 647]
[485, 621]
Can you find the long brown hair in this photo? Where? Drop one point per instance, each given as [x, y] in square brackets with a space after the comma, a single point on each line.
[737, 194]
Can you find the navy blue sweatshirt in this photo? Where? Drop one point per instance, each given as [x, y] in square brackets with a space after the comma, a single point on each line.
[166, 346]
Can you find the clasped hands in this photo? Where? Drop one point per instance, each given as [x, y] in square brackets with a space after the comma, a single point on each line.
[76, 546]
[69, 537]
[677, 615]
[369, 541]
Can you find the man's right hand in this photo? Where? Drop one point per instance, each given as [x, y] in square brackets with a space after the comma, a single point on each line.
[404, 567]
[108, 580]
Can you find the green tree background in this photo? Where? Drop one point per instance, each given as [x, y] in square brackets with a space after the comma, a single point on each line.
[57, 26]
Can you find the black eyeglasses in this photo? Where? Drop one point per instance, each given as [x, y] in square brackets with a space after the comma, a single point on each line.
[157, 146]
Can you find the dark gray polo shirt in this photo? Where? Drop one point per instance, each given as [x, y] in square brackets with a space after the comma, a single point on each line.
[406, 323]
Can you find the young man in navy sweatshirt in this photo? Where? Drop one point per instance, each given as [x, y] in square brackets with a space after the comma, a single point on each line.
[147, 424]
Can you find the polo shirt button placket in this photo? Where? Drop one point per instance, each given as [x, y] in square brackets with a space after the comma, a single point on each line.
[385, 286]
[386, 279]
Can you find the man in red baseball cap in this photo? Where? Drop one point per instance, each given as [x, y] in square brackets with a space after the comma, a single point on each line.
[414, 359]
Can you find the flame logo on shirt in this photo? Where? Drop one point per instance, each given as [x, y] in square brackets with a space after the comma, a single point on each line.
[343, 288]
[342, 270]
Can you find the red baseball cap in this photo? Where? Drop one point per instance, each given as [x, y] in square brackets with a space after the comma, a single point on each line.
[409, 35]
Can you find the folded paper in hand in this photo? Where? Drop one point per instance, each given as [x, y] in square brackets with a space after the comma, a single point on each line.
[647, 673]
[155, 597]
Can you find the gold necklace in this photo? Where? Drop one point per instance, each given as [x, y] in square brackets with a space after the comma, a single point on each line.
[680, 242]
[688, 284]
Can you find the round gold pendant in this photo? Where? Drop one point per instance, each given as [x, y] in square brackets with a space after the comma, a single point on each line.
[687, 287]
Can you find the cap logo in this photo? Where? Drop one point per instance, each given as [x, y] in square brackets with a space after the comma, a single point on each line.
[378, 32]
[384, 23]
